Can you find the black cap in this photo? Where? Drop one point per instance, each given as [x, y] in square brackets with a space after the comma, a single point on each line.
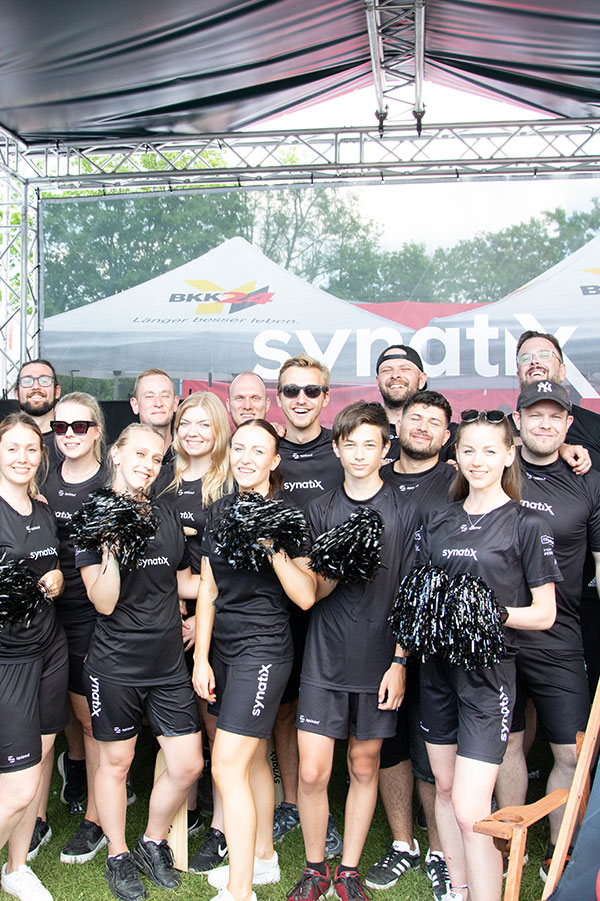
[543, 390]
[399, 352]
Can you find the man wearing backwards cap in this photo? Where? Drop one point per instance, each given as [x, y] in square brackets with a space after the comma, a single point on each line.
[399, 374]
[550, 664]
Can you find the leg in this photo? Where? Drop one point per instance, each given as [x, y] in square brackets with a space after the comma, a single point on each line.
[46, 777]
[363, 766]
[396, 786]
[263, 791]
[17, 792]
[427, 795]
[74, 733]
[110, 791]
[285, 738]
[443, 762]
[561, 776]
[183, 758]
[19, 841]
[92, 753]
[316, 760]
[511, 785]
[472, 790]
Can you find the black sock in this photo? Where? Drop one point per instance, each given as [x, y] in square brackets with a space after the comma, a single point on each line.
[345, 869]
[320, 866]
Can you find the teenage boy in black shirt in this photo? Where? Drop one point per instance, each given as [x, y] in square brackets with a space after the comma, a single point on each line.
[550, 664]
[309, 468]
[353, 674]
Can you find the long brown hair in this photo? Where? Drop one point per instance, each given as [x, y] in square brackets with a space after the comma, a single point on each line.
[14, 419]
[511, 477]
[218, 480]
[275, 477]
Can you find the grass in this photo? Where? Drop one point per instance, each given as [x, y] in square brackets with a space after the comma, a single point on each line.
[85, 882]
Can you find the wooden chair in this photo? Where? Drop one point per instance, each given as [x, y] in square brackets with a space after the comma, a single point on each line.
[508, 827]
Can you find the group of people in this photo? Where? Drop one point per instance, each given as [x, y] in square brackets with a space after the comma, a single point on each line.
[187, 641]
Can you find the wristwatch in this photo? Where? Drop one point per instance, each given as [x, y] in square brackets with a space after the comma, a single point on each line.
[403, 661]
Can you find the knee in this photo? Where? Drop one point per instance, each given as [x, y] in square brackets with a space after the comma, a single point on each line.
[363, 767]
[20, 795]
[443, 790]
[313, 775]
[190, 771]
[116, 764]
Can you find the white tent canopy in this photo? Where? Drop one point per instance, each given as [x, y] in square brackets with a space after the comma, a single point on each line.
[230, 310]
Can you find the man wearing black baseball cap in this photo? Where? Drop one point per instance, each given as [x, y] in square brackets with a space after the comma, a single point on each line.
[399, 375]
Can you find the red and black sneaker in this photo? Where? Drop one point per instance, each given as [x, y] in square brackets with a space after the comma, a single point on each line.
[312, 886]
[545, 867]
[348, 886]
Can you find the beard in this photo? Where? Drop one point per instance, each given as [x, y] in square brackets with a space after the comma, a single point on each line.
[392, 400]
[419, 453]
[39, 409]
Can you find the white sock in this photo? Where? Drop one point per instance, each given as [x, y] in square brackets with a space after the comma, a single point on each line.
[404, 846]
[146, 839]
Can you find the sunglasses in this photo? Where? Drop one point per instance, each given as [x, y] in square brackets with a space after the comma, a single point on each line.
[542, 356]
[28, 381]
[79, 427]
[311, 391]
[493, 416]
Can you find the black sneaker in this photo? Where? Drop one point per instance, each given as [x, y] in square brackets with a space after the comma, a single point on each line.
[285, 819]
[333, 840]
[156, 862]
[42, 833]
[84, 845]
[386, 872]
[211, 853]
[123, 878]
[74, 782]
[194, 818]
[436, 869]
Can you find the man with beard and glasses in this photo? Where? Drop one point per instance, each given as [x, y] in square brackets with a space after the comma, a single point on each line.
[550, 664]
[37, 391]
[424, 480]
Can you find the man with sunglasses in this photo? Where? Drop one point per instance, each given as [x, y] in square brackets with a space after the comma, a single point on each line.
[550, 664]
[37, 391]
[309, 468]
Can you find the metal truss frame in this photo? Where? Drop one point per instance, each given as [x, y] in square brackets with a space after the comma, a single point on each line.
[542, 149]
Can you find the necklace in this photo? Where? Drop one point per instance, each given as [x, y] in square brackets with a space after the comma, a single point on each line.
[473, 526]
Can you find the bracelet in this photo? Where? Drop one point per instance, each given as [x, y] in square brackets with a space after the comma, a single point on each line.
[403, 661]
[503, 615]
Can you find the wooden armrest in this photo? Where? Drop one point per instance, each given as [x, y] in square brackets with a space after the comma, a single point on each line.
[500, 823]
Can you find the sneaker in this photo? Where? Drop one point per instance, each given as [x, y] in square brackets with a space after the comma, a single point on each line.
[155, 860]
[42, 833]
[23, 883]
[348, 886]
[437, 871]
[74, 782]
[194, 822]
[285, 819]
[225, 895]
[453, 896]
[123, 878]
[311, 886]
[386, 872]
[333, 840]
[265, 873]
[84, 845]
[211, 853]
[505, 863]
[131, 795]
[545, 867]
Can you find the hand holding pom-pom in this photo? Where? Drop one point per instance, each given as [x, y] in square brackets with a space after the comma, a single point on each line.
[118, 522]
[21, 592]
[350, 552]
[255, 527]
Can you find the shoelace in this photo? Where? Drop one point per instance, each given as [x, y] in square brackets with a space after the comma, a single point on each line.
[166, 853]
[126, 867]
[309, 880]
[438, 871]
[355, 889]
[212, 843]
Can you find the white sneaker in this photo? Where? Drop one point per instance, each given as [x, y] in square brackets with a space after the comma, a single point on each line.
[225, 895]
[265, 872]
[23, 883]
[453, 896]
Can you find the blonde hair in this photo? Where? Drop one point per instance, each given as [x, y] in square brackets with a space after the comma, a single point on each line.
[14, 419]
[218, 480]
[148, 372]
[123, 439]
[305, 362]
[86, 400]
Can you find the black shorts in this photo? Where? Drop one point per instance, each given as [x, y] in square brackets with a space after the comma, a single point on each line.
[117, 711]
[470, 709]
[248, 695]
[557, 684]
[76, 682]
[408, 742]
[33, 702]
[299, 620]
[336, 714]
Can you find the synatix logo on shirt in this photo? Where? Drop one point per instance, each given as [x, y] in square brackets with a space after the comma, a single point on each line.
[450, 552]
[47, 552]
[152, 561]
[538, 505]
[298, 486]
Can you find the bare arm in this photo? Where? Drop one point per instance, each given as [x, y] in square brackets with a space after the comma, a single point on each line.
[596, 556]
[297, 580]
[188, 584]
[54, 582]
[203, 676]
[103, 583]
[540, 615]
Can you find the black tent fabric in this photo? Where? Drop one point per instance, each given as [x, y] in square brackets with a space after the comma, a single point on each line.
[145, 68]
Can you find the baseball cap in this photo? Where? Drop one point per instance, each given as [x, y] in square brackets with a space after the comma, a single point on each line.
[543, 390]
[400, 352]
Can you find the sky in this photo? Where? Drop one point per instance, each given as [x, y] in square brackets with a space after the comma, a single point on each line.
[442, 214]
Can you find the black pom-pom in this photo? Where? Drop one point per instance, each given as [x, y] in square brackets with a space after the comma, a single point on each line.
[457, 617]
[252, 517]
[118, 521]
[21, 592]
[350, 552]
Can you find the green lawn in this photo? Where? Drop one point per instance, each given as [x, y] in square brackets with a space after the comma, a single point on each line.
[84, 882]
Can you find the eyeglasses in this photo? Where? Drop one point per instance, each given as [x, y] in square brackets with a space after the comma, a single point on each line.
[79, 427]
[44, 381]
[542, 356]
[493, 416]
[311, 391]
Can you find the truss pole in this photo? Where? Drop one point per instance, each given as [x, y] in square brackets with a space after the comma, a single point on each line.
[419, 110]
[23, 282]
[376, 51]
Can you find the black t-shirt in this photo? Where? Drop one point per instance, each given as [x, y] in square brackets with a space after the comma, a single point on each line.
[570, 504]
[54, 455]
[585, 430]
[309, 470]
[252, 619]
[349, 645]
[73, 608]
[427, 490]
[510, 548]
[187, 503]
[166, 473]
[140, 642]
[32, 538]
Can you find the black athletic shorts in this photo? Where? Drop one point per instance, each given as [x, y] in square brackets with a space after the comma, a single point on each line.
[117, 711]
[33, 702]
[336, 714]
[76, 683]
[299, 620]
[248, 695]
[470, 709]
[557, 684]
[408, 742]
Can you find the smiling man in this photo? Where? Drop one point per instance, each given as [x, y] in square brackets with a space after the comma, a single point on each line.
[37, 391]
[154, 401]
[399, 375]
[247, 398]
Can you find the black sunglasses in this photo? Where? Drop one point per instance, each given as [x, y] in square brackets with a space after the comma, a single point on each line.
[79, 427]
[312, 391]
[494, 416]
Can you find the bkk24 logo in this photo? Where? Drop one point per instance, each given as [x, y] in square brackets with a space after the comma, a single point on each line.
[210, 299]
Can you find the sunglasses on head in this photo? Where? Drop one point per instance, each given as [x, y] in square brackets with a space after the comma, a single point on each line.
[79, 427]
[311, 391]
[493, 416]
